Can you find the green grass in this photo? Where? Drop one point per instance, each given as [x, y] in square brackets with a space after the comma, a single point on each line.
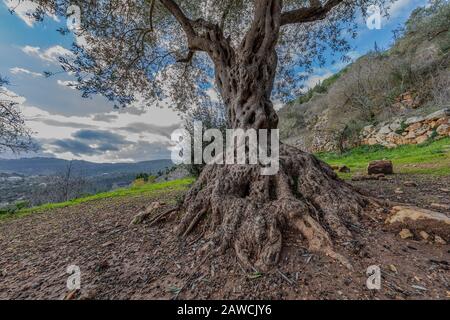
[432, 157]
[147, 189]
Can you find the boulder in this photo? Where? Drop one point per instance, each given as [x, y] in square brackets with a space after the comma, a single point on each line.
[414, 120]
[405, 234]
[344, 169]
[380, 166]
[385, 130]
[443, 130]
[438, 114]
[422, 139]
[395, 125]
[417, 219]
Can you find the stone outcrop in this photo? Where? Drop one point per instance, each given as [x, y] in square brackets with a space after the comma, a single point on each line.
[413, 130]
[419, 220]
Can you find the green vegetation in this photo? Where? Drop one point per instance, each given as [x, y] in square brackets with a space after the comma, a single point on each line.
[431, 157]
[146, 189]
[321, 87]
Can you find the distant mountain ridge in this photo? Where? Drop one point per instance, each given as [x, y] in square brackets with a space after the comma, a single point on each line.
[51, 166]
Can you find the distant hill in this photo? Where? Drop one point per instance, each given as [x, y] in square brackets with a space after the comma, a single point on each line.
[51, 166]
[412, 78]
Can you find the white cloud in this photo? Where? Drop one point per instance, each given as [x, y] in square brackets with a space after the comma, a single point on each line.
[141, 144]
[51, 54]
[68, 84]
[23, 9]
[17, 70]
[398, 7]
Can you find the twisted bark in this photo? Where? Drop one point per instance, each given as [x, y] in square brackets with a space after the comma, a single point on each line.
[241, 209]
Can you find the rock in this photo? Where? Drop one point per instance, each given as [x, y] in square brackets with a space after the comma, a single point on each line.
[444, 190]
[414, 120]
[392, 268]
[395, 125]
[422, 130]
[418, 219]
[443, 130]
[440, 206]
[380, 166]
[399, 191]
[411, 135]
[439, 114]
[424, 235]
[334, 167]
[439, 240]
[385, 130]
[422, 139]
[368, 129]
[410, 184]
[414, 126]
[344, 169]
[405, 234]
[145, 214]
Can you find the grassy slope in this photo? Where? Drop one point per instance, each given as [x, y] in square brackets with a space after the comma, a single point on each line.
[427, 158]
[147, 189]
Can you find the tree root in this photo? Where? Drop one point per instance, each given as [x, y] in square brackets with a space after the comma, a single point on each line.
[249, 213]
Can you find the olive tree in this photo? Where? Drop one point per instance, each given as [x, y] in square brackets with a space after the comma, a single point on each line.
[252, 52]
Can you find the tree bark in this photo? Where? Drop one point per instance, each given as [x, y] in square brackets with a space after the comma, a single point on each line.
[239, 208]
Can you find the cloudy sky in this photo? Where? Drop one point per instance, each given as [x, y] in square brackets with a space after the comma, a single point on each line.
[70, 127]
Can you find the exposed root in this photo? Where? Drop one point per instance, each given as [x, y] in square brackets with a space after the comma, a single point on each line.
[248, 212]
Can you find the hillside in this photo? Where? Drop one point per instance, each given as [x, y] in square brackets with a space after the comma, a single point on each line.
[42, 180]
[51, 166]
[412, 78]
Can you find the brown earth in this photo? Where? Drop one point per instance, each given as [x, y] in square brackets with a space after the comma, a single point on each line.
[119, 261]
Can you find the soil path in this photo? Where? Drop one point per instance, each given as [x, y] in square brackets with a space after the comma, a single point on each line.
[141, 262]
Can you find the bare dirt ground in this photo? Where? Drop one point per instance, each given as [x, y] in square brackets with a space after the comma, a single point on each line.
[119, 261]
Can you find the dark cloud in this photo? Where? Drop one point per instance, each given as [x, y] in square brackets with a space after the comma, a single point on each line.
[105, 117]
[82, 142]
[96, 142]
[57, 123]
[75, 147]
[140, 127]
[99, 136]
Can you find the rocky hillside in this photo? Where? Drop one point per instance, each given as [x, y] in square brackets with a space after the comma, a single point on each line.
[413, 130]
[381, 90]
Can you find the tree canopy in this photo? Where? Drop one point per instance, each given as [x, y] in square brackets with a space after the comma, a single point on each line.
[150, 50]
[14, 135]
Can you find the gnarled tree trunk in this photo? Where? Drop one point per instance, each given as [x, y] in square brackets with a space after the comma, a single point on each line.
[239, 208]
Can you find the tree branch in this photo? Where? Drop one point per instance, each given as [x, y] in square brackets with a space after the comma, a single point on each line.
[309, 14]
